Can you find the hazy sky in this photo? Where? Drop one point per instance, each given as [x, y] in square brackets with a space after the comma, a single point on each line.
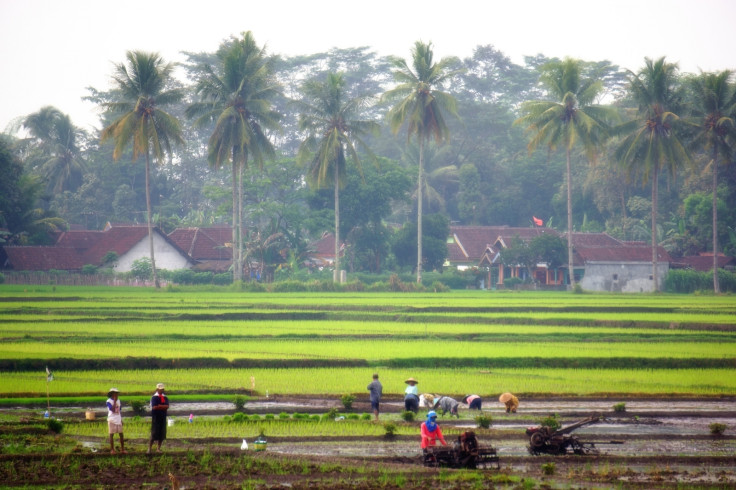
[50, 50]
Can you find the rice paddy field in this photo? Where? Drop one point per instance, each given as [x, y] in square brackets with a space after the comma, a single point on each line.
[201, 341]
[671, 359]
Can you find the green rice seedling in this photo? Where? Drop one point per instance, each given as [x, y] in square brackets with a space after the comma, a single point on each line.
[408, 416]
[347, 400]
[717, 428]
[239, 402]
[484, 421]
[619, 407]
[548, 468]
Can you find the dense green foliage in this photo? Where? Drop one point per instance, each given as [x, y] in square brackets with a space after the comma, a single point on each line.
[481, 175]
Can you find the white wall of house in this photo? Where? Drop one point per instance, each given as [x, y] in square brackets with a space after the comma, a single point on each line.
[166, 256]
[622, 277]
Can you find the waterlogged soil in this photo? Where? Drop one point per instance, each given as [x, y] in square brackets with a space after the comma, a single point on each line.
[654, 443]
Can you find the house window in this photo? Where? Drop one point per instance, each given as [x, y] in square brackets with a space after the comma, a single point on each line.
[615, 277]
[651, 277]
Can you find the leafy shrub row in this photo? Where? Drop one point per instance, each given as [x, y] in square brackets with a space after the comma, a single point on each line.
[689, 281]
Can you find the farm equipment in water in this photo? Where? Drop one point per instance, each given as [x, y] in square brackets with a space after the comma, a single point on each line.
[466, 452]
[544, 440]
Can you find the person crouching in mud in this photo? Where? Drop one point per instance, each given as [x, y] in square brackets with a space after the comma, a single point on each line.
[431, 432]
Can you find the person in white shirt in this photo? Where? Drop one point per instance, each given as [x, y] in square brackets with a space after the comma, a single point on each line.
[115, 420]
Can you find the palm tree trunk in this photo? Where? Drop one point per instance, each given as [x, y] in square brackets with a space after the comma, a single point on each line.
[237, 270]
[240, 214]
[716, 286]
[150, 224]
[570, 265]
[655, 193]
[419, 209]
[336, 272]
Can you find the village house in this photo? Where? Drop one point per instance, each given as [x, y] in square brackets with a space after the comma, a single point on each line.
[601, 262]
[75, 249]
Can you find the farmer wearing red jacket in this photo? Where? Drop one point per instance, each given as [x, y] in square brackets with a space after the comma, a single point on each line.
[431, 431]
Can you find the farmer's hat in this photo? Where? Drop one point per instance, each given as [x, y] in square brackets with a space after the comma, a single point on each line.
[160, 386]
[113, 390]
[411, 380]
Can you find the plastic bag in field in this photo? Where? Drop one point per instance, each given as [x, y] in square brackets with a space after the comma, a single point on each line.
[244, 446]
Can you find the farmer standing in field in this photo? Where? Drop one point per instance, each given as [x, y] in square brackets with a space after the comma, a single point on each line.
[159, 407]
[114, 420]
[376, 390]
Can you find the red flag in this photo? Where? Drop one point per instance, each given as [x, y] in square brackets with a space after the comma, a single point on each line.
[537, 221]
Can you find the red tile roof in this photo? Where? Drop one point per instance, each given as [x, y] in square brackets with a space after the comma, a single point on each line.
[702, 262]
[621, 253]
[470, 242]
[74, 249]
[204, 243]
[44, 258]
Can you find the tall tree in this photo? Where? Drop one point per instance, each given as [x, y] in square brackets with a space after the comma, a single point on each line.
[651, 144]
[237, 95]
[714, 107]
[144, 87]
[571, 117]
[334, 126]
[57, 154]
[420, 104]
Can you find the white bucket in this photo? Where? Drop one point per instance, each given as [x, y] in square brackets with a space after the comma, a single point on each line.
[170, 422]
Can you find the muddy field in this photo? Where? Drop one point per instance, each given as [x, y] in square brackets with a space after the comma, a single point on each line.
[661, 443]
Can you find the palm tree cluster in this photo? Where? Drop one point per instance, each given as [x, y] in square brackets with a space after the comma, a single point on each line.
[240, 102]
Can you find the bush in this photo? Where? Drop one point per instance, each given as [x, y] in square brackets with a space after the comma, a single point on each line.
[239, 402]
[717, 428]
[438, 287]
[512, 282]
[551, 421]
[390, 428]
[619, 407]
[142, 269]
[55, 425]
[578, 289]
[347, 401]
[408, 416]
[89, 269]
[483, 421]
[138, 406]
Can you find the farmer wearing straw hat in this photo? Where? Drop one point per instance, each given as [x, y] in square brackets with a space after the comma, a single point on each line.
[159, 407]
[411, 395]
[511, 402]
[114, 420]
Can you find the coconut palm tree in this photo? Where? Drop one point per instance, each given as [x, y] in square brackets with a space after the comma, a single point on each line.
[334, 126]
[420, 104]
[570, 117]
[57, 153]
[237, 95]
[714, 110]
[144, 86]
[651, 144]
